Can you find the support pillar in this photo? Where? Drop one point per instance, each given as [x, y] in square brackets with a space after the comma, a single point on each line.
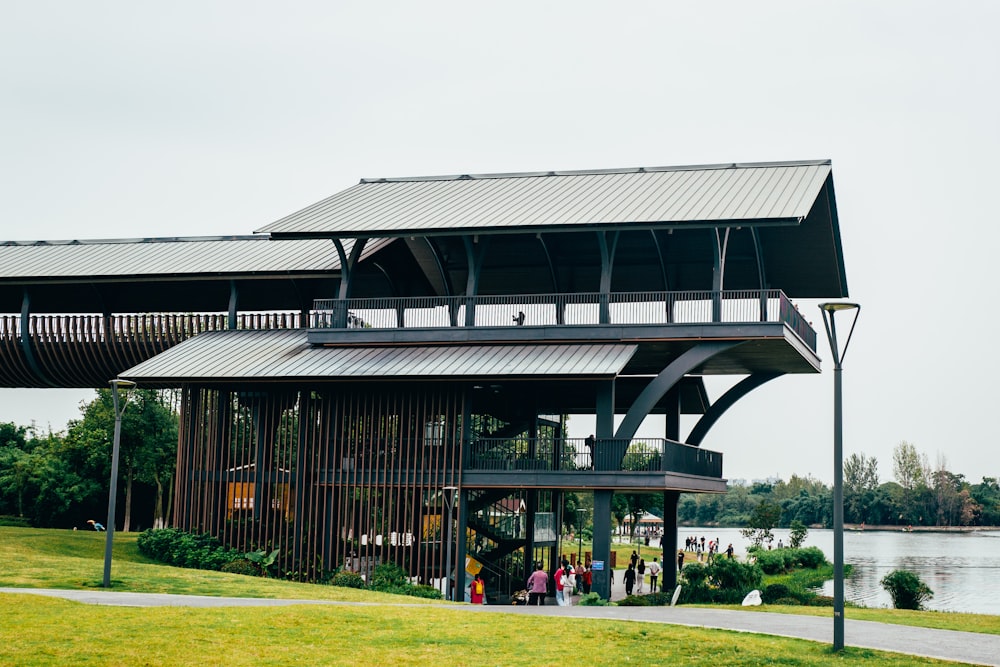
[602, 542]
[669, 540]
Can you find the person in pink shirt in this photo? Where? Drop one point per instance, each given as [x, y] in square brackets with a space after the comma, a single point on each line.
[538, 586]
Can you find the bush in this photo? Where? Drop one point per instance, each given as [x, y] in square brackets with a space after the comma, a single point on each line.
[811, 557]
[775, 592]
[734, 579]
[592, 600]
[906, 589]
[242, 566]
[347, 580]
[787, 602]
[176, 547]
[422, 591]
[774, 562]
[15, 521]
[634, 601]
[659, 599]
[388, 576]
[695, 573]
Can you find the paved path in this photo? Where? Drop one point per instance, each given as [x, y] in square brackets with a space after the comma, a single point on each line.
[973, 648]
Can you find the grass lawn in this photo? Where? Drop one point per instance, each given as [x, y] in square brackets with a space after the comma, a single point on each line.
[45, 631]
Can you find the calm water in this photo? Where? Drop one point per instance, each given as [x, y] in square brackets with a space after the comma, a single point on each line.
[963, 569]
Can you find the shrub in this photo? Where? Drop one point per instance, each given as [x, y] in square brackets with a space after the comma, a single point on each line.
[176, 547]
[734, 579]
[592, 600]
[242, 566]
[695, 573]
[422, 591]
[15, 521]
[787, 601]
[659, 599]
[698, 593]
[774, 562]
[388, 576]
[634, 601]
[906, 589]
[347, 580]
[775, 592]
[818, 601]
[811, 557]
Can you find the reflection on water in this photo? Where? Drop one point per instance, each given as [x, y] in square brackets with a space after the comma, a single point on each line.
[961, 568]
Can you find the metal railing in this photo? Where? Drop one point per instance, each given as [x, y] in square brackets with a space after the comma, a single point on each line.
[584, 308]
[585, 454]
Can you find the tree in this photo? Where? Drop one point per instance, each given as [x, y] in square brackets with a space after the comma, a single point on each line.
[860, 482]
[763, 519]
[148, 444]
[798, 534]
[911, 470]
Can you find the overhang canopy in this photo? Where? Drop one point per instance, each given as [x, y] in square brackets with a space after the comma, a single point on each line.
[276, 355]
[739, 194]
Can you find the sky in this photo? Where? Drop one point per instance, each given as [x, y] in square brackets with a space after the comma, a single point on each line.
[126, 120]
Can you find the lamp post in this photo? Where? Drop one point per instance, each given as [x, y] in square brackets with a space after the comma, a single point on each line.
[119, 406]
[829, 311]
[449, 501]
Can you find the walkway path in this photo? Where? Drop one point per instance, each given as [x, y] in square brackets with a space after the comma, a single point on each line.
[969, 647]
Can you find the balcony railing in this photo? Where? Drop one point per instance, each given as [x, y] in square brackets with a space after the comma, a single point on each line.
[584, 454]
[584, 308]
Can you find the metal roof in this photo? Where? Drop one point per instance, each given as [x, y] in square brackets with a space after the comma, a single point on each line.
[117, 258]
[758, 193]
[285, 354]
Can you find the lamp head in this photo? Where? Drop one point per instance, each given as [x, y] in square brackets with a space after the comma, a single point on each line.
[122, 384]
[832, 307]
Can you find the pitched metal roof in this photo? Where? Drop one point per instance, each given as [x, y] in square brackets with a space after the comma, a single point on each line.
[286, 354]
[757, 193]
[46, 260]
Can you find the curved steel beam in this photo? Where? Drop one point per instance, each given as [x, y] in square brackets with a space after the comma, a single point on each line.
[234, 298]
[667, 379]
[726, 401]
[475, 250]
[436, 254]
[758, 250]
[26, 348]
[606, 242]
[560, 303]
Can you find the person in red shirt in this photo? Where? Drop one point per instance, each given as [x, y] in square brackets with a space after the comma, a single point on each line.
[477, 590]
[588, 578]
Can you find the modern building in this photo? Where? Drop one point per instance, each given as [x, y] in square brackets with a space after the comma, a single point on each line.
[383, 375]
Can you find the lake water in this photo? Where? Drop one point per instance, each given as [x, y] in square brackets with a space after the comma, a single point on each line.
[963, 569]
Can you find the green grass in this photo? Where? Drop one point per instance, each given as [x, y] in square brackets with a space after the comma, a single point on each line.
[44, 631]
[39, 558]
[57, 632]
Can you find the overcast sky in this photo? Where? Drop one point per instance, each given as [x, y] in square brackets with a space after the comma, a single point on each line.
[123, 120]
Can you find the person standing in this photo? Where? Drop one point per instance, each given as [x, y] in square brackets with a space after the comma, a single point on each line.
[629, 579]
[640, 574]
[538, 586]
[654, 573]
[477, 590]
[557, 577]
[729, 551]
[569, 583]
[588, 578]
[680, 561]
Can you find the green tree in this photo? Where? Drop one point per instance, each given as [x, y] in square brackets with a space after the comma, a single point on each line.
[860, 483]
[763, 519]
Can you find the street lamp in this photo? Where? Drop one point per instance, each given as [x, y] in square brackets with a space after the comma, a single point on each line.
[116, 384]
[449, 501]
[829, 311]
